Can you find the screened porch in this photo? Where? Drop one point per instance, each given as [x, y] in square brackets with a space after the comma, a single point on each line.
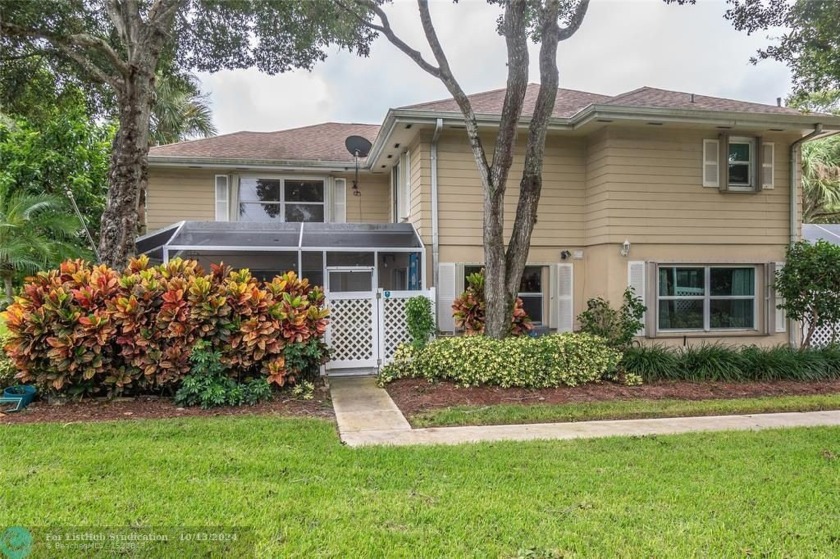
[343, 257]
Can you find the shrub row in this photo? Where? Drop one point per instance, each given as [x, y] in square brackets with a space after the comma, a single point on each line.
[712, 362]
[87, 328]
[547, 361]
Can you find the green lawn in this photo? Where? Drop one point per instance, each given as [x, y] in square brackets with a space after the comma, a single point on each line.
[740, 494]
[504, 414]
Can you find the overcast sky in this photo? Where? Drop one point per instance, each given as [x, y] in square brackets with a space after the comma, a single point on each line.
[622, 45]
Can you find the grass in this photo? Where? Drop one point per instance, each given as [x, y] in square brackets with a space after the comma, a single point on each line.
[504, 414]
[739, 494]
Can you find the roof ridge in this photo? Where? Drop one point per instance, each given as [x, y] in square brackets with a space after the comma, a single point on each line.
[707, 96]
[631, 92]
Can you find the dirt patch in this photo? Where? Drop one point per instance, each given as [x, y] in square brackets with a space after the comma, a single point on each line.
[156, 407]
[415, 396]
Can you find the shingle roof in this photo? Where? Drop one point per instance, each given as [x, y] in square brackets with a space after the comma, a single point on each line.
[325, 142]
[321, 142]
[567, 102]
[650, 97]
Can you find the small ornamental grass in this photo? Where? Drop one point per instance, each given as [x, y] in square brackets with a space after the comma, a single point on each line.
[544, 362]
[714, 362]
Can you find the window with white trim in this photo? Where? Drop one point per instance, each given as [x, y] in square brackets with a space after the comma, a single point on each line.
[281, 199]
[706, 298]
[530, 290]
[741, 159]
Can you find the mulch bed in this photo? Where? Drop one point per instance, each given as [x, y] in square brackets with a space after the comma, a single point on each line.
[156, 407]
[415, 396]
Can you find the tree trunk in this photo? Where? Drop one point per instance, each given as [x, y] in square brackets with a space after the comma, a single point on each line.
[129, 168]
[530, 187]
[7, 284]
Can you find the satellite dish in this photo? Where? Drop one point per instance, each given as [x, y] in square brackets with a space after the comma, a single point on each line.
[357, 146]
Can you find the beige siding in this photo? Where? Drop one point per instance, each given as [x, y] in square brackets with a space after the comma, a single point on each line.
[561, 212]
[646, 186]
[420, 212]
[189, 195]
[372, 205]
[175, 195]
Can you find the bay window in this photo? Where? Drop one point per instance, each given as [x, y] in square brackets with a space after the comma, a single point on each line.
[706, 298]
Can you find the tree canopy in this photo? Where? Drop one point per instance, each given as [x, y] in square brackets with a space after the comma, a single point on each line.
[117, 46]
[807, 36]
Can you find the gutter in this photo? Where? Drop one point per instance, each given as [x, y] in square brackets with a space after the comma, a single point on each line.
[435, 236]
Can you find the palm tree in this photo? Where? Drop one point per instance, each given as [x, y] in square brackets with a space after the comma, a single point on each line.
[36, 231]
[181, 111]
[821, 181]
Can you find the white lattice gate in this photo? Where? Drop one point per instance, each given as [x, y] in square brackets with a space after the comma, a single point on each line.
[366, 328]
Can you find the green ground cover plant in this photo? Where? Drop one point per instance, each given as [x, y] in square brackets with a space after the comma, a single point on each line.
[546, 361]
[511, 414]
[302, 494]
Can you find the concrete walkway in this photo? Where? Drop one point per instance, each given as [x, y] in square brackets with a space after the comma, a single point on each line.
[366, 415]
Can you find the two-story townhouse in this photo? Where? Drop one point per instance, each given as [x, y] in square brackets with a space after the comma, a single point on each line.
[684, 197]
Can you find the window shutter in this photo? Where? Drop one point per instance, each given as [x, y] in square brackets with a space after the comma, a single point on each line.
[768, 161]
[447, 278]
[711, 167]
[222, 197]
[564, 297]
[339, 201]
[636, 272]
[780, 318]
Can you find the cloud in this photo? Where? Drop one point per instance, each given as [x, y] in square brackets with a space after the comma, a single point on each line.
[622, 45]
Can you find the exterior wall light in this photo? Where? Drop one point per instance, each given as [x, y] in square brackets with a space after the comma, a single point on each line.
[625, 248]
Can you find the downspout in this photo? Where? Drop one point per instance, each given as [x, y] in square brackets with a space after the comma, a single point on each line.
[794, 213]
[435, 236]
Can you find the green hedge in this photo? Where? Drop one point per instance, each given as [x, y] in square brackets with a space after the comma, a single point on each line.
[547, 361]
[713, 362]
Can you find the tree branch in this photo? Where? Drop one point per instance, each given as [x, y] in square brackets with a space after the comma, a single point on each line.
[386, 29]
[575, 22]
[67, 44]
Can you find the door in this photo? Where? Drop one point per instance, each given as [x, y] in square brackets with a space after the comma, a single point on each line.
[352, 334]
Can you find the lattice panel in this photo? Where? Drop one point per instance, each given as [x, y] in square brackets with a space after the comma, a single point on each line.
[394, 329]
[825, 335]
[352, 327]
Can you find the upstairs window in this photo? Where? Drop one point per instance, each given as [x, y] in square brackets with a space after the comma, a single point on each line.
[741, 161]
[284, 200]
[736, 164]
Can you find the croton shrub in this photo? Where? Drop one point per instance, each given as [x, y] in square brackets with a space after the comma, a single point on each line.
[87, 328]
[469, 310]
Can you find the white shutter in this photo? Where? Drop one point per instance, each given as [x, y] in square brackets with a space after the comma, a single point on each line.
[446, 295]
[339, 201]
[636, 272]
[781, 319]
[768, 161]
[564, 289]
[407, 184]
[711, 163]
[222, 197]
